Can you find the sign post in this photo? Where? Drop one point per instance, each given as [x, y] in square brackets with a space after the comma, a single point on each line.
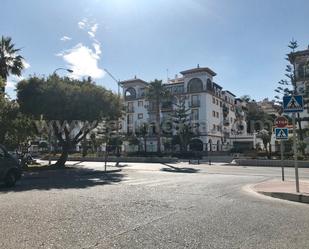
[282, 134]
[293, 104]
[282, 167]
[295, 155]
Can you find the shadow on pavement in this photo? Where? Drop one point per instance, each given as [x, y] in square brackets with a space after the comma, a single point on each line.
[178, 170]
[121, 165]
[68, 178]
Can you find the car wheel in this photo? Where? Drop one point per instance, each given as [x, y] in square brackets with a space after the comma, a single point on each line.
[10, 179]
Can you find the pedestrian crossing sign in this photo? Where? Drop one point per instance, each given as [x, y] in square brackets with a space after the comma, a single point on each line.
[293, 103]
[282, 133]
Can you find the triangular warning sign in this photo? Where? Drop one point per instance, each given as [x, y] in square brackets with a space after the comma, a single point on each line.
[293, 104]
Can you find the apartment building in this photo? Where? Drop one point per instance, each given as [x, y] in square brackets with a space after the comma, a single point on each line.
[213, 108]
[301, 61]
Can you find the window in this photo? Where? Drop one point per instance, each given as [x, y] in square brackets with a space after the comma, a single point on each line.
[195, 85]
[142, 92]
[140, 116]
[213, 100]
[231, 120]
[130, 107]
[209, 85]
[140, 103]
[195, 101]
[217, 114]
[130, 119]
[217, 102]
[213, 113]
[220, 103]
[218, 127]
[214, 127]
[194, 114]
[130, 93]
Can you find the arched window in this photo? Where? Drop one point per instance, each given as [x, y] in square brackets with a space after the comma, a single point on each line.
[195, 85]
[130, 94]
[196, 145]
[210, 144]
[209, 85]
[218, 145]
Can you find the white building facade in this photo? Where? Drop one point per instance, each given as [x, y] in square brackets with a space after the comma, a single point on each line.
[216, 111]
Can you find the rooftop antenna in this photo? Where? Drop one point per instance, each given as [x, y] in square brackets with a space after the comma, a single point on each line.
[167, 78]
[198, 65]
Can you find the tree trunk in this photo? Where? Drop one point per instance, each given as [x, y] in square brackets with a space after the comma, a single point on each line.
[158, 119]
[63, 158]
[145, 145]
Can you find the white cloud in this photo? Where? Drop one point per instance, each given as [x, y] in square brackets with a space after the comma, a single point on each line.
[83, 23]
[97, 48]
[92, 31]
[88, 26]
[91, 34]
[83, 61]
[65, 38]
[94, 28]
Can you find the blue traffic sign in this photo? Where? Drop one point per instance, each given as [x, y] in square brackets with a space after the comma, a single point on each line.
[293, 103]
[282, 133]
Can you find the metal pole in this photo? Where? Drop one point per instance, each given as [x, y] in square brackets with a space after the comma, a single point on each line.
[295, 155]
[282, 167]
[49, 148]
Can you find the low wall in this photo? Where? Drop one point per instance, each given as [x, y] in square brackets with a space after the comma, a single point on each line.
[217, 159]
[270, 163]
[125, 159]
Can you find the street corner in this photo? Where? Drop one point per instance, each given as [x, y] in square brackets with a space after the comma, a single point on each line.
[285, 190]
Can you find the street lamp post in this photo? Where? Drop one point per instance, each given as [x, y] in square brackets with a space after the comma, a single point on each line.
[62, 68]
[117, 81]
[50, 132]
[117, 124]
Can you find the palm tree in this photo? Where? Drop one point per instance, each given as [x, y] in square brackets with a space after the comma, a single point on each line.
[142, 132]
[266, 139]
[156, 94]
[10, 61]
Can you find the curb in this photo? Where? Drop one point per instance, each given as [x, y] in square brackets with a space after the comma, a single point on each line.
[286, 196]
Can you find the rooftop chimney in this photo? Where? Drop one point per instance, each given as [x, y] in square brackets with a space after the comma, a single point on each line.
[198, 65]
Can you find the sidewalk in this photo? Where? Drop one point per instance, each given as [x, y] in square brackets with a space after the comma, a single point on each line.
[284, 190]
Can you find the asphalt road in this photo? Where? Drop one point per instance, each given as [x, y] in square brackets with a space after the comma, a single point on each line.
[150, 206]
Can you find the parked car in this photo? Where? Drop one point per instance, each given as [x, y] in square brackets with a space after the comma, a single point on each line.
[10, 168]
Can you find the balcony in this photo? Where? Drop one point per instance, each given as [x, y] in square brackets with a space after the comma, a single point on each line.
[167, 107]
[195, 103]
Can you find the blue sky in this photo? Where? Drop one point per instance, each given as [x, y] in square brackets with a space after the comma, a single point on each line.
[243, 41]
